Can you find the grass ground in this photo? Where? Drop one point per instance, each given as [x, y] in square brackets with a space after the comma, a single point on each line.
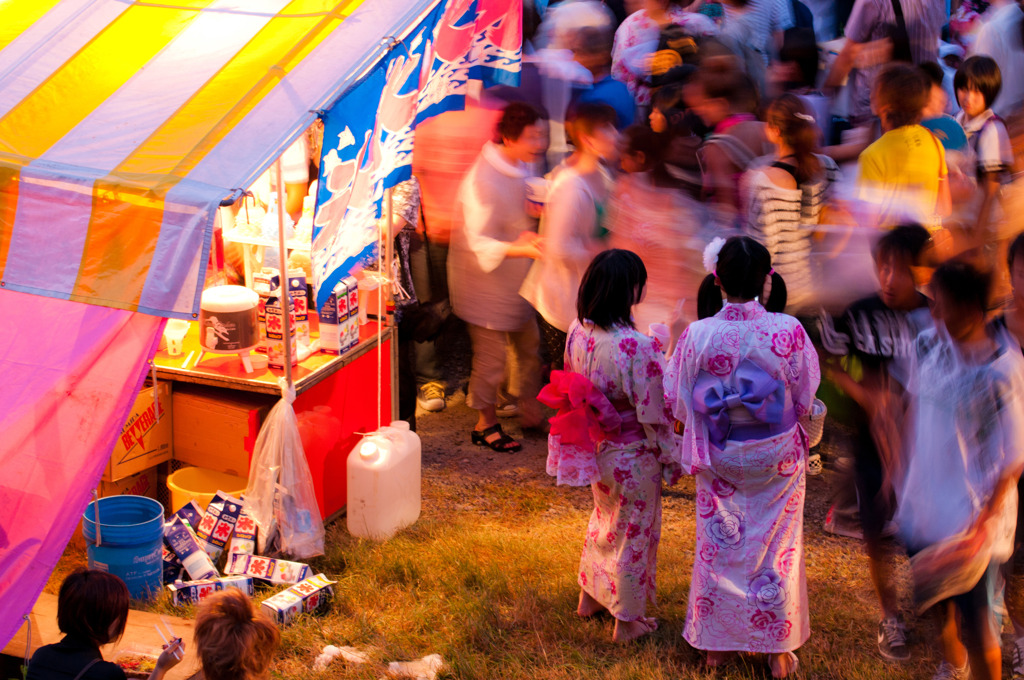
[486, 578]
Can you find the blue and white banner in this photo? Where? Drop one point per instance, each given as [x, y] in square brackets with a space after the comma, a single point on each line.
[369, 132]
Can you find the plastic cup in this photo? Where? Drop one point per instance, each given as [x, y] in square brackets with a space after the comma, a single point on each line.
[174, 334]
[661, 333]
[536, 194]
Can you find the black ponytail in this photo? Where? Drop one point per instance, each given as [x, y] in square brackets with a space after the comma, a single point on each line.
[709, 298]
[779, 296]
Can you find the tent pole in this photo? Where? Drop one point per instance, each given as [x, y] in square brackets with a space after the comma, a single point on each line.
[385, 288]
[286, 301]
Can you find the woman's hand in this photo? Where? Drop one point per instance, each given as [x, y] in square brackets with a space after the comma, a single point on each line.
[528, 244]
[676, 325]
[169, 658]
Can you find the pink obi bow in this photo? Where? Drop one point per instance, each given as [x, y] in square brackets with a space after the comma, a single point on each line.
[585, 418]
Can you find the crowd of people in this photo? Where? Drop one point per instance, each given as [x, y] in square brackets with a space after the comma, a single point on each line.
[697, 219]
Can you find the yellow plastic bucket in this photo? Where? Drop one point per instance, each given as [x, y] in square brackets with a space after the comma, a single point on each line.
[200, 484]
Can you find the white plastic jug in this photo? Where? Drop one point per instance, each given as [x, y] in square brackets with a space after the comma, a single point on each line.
[384, 482]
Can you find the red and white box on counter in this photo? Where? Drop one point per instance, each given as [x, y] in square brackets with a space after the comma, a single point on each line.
[297, 292]
[312, 596]
[268, 569]
[339, 318]
[193, 592]
[276, 308]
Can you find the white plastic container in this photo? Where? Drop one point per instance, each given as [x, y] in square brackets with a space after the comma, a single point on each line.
[384, 482]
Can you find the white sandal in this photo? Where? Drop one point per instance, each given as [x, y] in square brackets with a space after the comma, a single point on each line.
[793, 667]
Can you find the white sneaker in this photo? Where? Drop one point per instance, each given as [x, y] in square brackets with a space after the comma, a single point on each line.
[948, 671]
[1018, 660]
[430, 397]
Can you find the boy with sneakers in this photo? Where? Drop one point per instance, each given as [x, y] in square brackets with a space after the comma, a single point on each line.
[871, 334]
[903, 174]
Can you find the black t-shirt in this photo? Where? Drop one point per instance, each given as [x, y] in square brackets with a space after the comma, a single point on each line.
[874, 333]
[66, 659]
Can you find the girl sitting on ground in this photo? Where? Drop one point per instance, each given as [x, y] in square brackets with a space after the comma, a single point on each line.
[92, 609]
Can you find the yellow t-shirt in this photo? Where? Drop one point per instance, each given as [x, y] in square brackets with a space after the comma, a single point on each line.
[900, 174]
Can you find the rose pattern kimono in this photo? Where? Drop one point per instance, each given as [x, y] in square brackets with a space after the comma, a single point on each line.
[619, 560]
[749, 590]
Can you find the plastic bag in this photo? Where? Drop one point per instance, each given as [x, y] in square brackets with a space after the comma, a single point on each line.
[280, 496]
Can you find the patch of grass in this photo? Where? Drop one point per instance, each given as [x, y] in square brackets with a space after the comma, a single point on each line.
[487, 579]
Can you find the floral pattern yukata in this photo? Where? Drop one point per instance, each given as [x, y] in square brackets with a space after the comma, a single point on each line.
[749, 589]
[619, 560]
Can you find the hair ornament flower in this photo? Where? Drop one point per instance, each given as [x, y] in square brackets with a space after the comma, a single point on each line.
[711, 254]
[804, 116]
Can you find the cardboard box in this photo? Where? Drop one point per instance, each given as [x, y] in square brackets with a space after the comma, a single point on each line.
[312, 596]
[194, 592]
[267, 569]
[144, 441]
[217, 428]
[141, 484]
[339, 318]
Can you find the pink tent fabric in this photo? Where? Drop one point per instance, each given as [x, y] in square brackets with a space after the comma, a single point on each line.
[71, 372]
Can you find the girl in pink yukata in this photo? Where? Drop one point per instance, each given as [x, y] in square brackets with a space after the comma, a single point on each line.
[613, 433]
[738, 381]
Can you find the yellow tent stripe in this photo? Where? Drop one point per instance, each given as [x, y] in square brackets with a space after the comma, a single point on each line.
[18, 15]
[94, 73]
[9, 182]
[202, 122]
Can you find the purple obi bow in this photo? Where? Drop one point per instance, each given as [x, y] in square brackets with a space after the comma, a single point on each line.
[756, 390]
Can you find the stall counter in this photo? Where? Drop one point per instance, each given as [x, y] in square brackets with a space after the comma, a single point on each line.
[337, 395]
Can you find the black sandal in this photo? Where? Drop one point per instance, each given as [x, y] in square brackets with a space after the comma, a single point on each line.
[501, 444]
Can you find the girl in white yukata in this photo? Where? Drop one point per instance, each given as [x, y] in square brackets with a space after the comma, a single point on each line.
[739, 381]
[613, 433]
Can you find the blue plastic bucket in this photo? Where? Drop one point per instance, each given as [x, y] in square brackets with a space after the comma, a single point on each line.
[131, 537]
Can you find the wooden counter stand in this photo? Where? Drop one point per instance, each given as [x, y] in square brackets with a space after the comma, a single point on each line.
[346, 384]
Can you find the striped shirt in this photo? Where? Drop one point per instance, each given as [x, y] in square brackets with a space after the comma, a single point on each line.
[874, 20]
[757, 22]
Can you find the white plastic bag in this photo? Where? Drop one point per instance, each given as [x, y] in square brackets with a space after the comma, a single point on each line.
[280, 496]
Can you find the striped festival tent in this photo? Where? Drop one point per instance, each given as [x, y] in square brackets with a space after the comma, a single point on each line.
[123, 125]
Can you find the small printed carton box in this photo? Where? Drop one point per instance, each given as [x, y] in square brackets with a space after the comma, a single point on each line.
[337, 318]
[191, 513]
[351, 338]
[297, 292]
[243, 541]
[145, 439]
[184, 544]
[312, 596]
[139, 484]
[276, 309]
[194, 592]
[268, 569]
[264, 282]
[218, 523]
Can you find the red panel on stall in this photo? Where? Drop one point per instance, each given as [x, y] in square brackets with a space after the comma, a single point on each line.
[331, 414]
